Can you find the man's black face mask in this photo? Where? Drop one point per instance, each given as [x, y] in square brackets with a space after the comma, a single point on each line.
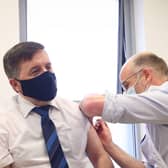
[42, 87]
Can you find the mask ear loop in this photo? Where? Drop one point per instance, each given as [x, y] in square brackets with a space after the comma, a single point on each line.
[13, 84]
[147, 86]
[17, 79]
[137, 80]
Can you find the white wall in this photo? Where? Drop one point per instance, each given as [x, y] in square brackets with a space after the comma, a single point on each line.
[9, 35]
[156, 26]
[151, 26]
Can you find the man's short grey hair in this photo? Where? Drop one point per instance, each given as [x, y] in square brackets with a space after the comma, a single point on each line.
[149, 59]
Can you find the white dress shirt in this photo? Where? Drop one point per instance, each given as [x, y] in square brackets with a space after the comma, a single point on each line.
[150, 107]
[21, 139]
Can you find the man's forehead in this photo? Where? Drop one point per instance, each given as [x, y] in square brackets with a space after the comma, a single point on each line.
[126, 71]
[39, 59]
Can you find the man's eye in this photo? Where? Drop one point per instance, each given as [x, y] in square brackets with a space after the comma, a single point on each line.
[35, 72]
[48, 68]
[126, 87]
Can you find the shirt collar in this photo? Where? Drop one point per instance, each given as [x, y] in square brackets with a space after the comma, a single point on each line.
[158, 87]
[26, 106]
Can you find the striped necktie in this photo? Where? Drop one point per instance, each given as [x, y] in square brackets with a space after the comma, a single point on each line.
[55, 153]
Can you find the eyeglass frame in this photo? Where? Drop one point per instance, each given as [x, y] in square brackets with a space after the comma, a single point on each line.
[130, 76]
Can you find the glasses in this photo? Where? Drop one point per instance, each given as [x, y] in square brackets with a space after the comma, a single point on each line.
[123, 84]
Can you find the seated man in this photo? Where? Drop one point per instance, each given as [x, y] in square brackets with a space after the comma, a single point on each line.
[25, 125]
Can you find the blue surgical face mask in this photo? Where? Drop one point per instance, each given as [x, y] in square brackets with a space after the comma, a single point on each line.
[131, 91]
[42, 87]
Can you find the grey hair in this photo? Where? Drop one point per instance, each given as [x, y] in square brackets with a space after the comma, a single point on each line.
[152, 60]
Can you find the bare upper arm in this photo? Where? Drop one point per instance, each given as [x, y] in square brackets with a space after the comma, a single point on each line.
[94, 148]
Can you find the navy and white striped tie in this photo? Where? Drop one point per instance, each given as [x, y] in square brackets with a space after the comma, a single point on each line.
[55, 153]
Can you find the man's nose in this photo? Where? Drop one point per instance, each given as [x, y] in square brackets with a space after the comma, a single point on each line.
[44, 69]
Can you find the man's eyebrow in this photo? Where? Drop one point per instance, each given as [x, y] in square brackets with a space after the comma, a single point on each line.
[34, 68]
[49, 63]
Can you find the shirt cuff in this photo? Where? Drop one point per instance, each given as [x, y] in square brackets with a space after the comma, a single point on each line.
[107, 110]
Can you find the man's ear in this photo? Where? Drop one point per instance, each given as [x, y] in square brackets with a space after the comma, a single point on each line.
[15, 85]
[148, 73]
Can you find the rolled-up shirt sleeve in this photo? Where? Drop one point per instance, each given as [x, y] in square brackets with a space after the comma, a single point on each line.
[110, 112]
[146, 107]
